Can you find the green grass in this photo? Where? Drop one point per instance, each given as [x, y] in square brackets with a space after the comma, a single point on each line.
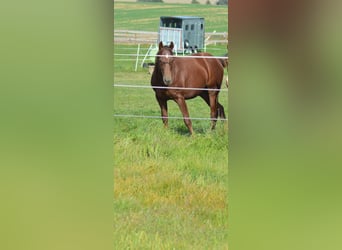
[170, 189]
[145, 16]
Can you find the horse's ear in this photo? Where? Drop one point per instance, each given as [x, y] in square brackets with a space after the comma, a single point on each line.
[160, 45]
[171, 45]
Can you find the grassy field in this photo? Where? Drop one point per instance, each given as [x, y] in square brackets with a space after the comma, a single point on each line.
[170, 189]
[145, 16]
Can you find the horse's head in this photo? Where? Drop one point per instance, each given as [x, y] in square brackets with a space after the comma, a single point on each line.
[164, 61]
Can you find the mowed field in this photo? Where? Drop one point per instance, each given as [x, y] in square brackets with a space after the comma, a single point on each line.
[175, 1]
[170, 189]
[145, 16]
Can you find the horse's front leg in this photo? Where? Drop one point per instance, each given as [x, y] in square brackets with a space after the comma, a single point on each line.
[163, 109]
[184, 109]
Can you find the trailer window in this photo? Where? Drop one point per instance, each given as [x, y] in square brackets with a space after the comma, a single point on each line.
[187, 27]
[201, 26]
[192, 26]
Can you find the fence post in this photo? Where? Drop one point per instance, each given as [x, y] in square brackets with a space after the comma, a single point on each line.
[148, 51]
[136, 62]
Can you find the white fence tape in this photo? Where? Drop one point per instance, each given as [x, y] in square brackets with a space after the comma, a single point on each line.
[163, 87]
[169, 117]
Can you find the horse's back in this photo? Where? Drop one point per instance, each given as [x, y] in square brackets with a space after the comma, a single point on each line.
[214, 66]
[213, 61]
[203, 62]
[198, 70]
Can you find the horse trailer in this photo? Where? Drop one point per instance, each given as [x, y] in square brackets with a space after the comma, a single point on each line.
[186, 32]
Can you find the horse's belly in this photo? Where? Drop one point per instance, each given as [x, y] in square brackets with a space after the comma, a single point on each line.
[186, 94]
[189, 94]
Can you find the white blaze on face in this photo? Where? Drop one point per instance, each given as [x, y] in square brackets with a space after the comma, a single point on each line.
[167, 72]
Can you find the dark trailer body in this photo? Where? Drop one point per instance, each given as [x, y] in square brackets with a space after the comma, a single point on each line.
[186, 32]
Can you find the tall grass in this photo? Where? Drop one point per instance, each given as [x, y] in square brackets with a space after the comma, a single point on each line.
[170, 189]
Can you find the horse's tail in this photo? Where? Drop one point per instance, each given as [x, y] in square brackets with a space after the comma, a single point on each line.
[224, 61]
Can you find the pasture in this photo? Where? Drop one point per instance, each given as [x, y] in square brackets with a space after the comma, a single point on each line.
[145, 16]
[170, 189]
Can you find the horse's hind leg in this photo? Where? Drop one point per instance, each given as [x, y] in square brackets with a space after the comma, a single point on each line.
[220, 111]
[215, 107]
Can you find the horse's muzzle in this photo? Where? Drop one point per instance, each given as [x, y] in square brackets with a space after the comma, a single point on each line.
[167, 81]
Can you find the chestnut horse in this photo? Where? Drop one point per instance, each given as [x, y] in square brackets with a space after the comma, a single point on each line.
[202, 75]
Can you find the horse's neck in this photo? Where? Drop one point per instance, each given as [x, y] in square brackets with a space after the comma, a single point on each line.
[158, 73]
[157, 70]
